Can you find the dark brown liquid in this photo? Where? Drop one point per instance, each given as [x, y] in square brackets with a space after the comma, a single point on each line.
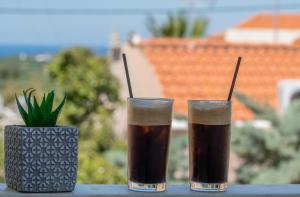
[209, 152]
[148, 153]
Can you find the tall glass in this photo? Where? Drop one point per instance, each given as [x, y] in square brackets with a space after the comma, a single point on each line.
[209, 144]
[149, 124]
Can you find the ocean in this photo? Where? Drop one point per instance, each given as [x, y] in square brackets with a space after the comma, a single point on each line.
[13, 50]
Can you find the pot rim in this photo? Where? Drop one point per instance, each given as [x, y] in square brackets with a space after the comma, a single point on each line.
[58, 126]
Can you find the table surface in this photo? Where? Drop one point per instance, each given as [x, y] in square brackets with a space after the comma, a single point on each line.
[94, 190]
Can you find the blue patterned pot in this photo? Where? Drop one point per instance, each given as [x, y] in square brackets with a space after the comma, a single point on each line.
[41, 159]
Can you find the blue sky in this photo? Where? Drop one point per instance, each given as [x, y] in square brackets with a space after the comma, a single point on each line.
[95, 30]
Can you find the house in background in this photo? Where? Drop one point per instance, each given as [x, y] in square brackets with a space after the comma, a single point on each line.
[185, 69]
[266, 29]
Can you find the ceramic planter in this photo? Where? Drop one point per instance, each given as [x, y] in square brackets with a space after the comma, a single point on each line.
[41, 159]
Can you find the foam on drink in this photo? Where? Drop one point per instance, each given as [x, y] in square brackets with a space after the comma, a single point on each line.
[209, 112]
[149, 111]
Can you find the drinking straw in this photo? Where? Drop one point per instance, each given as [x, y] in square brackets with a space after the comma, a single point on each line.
[127, 75]
[234, 78]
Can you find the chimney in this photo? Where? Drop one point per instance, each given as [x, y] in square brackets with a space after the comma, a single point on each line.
[114, 47]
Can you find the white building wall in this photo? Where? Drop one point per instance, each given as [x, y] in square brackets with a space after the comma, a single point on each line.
[262, 36]
[287, 88]
[144, 82]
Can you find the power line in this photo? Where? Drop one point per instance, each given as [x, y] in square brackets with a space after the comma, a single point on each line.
[136, 11]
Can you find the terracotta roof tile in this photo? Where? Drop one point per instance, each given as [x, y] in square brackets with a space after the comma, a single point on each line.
[202, 69]
[266, 20]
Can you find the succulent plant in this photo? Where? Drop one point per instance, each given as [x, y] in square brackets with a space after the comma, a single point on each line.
[39, 115]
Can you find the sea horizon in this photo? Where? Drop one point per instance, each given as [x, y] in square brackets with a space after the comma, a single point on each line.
[32, 49]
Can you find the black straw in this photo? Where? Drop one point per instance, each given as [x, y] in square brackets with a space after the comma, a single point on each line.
[127, 75]
[234, 78]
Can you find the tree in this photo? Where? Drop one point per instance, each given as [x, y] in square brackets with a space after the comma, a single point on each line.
[269, 155]
[92, 96]
[94, 168]
[177, 25]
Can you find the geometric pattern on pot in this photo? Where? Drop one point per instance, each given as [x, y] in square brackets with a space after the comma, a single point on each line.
[41, 159]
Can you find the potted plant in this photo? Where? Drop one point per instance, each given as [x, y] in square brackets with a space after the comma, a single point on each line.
[40, 156]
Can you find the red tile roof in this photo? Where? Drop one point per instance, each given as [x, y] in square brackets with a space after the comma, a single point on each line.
[202, 69]
[265, 20]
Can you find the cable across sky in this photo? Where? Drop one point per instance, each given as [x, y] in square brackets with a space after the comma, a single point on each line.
[138, 11]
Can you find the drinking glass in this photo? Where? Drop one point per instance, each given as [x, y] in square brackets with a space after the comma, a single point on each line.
[149, 124]
[209, 144]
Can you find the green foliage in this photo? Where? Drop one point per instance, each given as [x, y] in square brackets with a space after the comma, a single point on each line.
[93, 168]
[88, 82]
[262, 111]
[269, 155]
[199, 27]
[177, 25]
[119, 158]
[39, 115]
[17, 73]
[178, 160]
[92, 93]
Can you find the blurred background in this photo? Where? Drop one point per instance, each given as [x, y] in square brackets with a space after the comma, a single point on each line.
[181, 49]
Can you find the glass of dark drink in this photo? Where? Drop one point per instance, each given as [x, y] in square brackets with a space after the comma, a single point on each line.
[149, 124]
[209, 144]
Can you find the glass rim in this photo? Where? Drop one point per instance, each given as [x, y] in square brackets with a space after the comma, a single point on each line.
[208, 100]
[209, 103]
[150, 99]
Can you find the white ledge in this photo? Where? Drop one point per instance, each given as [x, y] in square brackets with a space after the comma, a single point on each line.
[289, 190]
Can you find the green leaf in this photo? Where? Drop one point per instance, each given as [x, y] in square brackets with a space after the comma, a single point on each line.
[55, 113]
[29, 96]
[33, 118]
[47, 108]
[43, 101]
[27, 90]
[22, 111]
[30, 90]
[37, 111]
